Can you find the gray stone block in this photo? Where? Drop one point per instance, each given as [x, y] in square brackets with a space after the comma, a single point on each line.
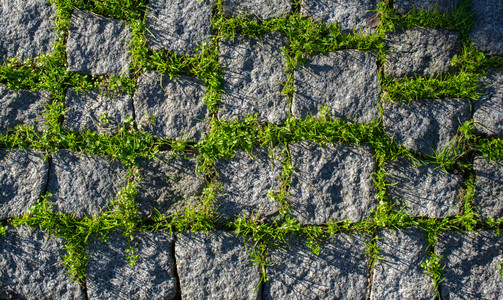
[96, 111]
[444, 6]
[26, 29]
[246, 180]
[22, 107]
[32, 267]
[424, 191]
[340, 271]
[488, 188]
[109, 276]
[399, 274]
[254, 74]
[171, 108]
[425, 126]
[420, 52]
[169, 184]
[346, 82]
[263, 9]
[488, 109]
[97, 45]
[23, 177]
[356, 15]
[471, 262]
[331, 183]
[178, 25]
[215, 266]
[82, 184]
[487, 29]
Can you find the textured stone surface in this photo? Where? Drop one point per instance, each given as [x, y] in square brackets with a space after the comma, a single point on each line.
[246, 181]
[488, 188]
[488, 109]
[97, 45]
[82, 184]
[32, 267]
[27, 29]
[357, 15]
[405, 6]
[96, 111]
[23, 177]
[339, 272]
[420, 52]
[400, 275]
[471, 262]
[331, 183]
[487, 30]
[254, 72]
[425, 126]
[169, 184]
[262, 9]
[171, 108]
[345, 82]
[22, 107]
[424, 191]
[109, 276]
[178, 25]
[215, 266]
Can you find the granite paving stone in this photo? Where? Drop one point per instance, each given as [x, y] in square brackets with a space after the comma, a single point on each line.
[423, 191]
[32, 267]
[23, 177]
[488, 109]
[22, 107]
[110, 276]
[345, 82]
[488, 198]
[82, 184]
[96, 110]
[399, 274]
[215, 266]
[471, 262]
[445, 6]
[27, 30]
[487, 29]
[254, 74]
[171, 108]
[262, 9]
[97, 45]
[169, 184]
[340, 271]
[420, 51]
[425, 126]
[178, 25]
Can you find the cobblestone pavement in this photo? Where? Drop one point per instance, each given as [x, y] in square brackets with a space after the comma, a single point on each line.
[266, 149]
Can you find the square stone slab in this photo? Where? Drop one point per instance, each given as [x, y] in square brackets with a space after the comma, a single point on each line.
[331, 183]
[262, 9]
[399, 274]
[215, 266]
[254, 74]
[169, 184]
[488, 188]
[26, 29]
[23, 177]
[96, 111]
[471, 262]
[84, 185]
[444, 6]
[340, 271]
[246, 180]
[32, 267]
[171, 108]
[178, 25]
[355, 15]
[425, 126]
[420, 52]
[109, 276]
[424, 191]
[97, 45]
[487, 29]
[345, 81]
[488, 109]
[22, 107]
